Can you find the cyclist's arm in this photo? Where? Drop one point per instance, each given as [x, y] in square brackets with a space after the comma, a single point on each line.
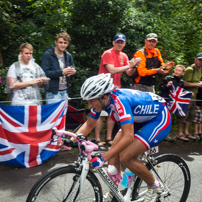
[86, 128]
[125, 140]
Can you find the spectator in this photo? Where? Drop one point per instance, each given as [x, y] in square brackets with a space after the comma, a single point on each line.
[177, 80]
[144, 76]
[24, 78]
[198, 115]
[116, 62]
[58, 65]
[192, 77]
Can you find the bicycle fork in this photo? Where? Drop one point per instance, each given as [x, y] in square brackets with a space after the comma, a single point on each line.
[79, 181]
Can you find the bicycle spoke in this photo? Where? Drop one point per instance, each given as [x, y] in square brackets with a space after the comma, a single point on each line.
[63, 185]
[174, 173]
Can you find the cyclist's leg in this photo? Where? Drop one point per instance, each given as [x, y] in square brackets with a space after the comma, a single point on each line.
[150, 134]
[129, 158]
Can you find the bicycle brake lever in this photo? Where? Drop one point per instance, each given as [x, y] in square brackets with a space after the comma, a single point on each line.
[53, 133]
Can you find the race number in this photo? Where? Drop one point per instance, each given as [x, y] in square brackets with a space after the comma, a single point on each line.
[153, 150]
[156, 97]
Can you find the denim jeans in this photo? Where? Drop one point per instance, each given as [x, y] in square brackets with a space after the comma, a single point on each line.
[51, 98]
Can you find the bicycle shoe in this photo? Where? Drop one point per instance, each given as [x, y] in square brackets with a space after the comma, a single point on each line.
[150, 196]
[154, 192]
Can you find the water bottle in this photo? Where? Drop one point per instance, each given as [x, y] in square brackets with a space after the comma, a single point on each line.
[114, 174]
[127, 178]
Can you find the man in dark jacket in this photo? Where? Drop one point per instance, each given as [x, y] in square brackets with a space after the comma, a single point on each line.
[58, 65]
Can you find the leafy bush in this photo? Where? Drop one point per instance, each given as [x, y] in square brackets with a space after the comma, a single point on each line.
[92, 25]
[4, 96]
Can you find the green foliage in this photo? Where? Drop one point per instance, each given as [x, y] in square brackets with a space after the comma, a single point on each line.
[4, 96]
[187, 17]
[90, 32]
[92, 25]
[13, 17]
[92, 35]
[138, 24]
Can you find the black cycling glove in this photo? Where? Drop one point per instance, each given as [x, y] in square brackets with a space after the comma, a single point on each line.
[68, 142]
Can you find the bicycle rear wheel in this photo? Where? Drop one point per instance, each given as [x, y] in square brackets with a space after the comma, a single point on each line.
[176, 175]
[61, 184]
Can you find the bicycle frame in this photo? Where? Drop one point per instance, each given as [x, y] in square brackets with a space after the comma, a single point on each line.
[116, 192]
[86, 148]
[103, 174]
[79, 183]
[84, 167]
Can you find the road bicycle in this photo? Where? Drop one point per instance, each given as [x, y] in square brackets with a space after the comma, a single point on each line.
[79, 182]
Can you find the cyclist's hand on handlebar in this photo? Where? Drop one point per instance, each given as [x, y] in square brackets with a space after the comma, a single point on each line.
[60, 144]
[97, 162]
[66, 142]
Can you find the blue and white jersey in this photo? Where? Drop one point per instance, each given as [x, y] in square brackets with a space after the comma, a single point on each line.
[132, 106]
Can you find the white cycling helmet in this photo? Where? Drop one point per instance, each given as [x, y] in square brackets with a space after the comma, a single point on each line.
[96, 86]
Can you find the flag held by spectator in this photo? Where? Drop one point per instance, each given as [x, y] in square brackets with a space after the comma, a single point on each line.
[25, 133]
[179, 99]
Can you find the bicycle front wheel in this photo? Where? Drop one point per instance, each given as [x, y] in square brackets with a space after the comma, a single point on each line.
[62, 184]
[175, 174]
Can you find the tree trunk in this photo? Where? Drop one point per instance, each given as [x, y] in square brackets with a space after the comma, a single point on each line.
[1, 61]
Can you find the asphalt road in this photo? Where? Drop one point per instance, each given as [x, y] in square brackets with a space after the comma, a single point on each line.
[192, 154]
[17, 182]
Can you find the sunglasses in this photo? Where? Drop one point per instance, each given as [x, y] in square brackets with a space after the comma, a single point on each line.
[152, 36]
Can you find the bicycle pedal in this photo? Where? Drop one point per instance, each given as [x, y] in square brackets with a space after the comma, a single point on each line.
[140, 200]
[165, 194]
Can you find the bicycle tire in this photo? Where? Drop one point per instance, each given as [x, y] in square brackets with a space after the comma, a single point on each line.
[174, 172]
[57, 185]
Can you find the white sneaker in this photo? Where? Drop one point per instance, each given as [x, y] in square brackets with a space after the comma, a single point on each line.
[150, 196]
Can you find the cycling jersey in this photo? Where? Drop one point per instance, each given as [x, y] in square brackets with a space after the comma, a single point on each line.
[143, 109]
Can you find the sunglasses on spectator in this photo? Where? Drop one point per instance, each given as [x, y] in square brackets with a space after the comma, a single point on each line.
[152, 36]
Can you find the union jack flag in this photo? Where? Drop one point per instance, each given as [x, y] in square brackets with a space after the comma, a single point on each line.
[179, 99]
[25, 133]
